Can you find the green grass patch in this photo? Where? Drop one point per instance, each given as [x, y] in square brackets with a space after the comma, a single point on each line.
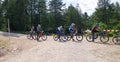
[4, 43]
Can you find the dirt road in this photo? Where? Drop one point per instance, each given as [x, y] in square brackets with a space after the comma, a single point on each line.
[55, 51]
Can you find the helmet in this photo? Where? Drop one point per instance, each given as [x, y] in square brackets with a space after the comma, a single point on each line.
[73, 24]
[39, 25]
[61, 26]
[97, 24]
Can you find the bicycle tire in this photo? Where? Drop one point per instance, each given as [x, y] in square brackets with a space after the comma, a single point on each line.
[44, 37]
[64, 38]
[104, 38]
[29, 37]
[89, 38]
[79, 37]
[55, 37]
[115, 40]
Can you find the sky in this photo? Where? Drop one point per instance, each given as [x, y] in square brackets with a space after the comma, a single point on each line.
[86, 5]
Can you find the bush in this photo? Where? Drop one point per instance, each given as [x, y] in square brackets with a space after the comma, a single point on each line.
[102, 26]
[117, 26]
[111, 34]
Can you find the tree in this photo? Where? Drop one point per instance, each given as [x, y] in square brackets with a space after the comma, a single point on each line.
[86, 21]
[3, 14]
[107, 13]
[72, 15]
[37, 12]
[55, 7]
[17, 14]
[103, 12]
[43, 13]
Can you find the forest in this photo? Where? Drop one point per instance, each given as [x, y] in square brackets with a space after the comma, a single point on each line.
[22, 14]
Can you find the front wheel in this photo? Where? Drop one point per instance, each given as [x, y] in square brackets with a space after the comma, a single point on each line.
[44, 37]
[64, 38]
[79, 37]
[104, 38]
[89, 38]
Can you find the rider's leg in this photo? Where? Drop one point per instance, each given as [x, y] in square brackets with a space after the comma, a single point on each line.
[58, 35]
[72, 36]
[40, 33]
[93, 35]
[37, 35]
[31, 34]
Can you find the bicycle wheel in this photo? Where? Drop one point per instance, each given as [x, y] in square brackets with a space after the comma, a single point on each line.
[68, 38]
[29, 36]
[64, 38]
[32, 36]
[55, 37]
[44, 37]
[115, 40]
[79, 37]
[89, 38]
[104, 38]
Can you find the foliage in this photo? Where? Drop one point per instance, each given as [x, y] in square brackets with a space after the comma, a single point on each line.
[107, 13]
[22, 14]
[102, 26]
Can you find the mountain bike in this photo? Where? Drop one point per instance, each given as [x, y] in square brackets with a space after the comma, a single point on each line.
[77, 34]
[42, 35]
[103, 37]
[116, 38]
[60, 37]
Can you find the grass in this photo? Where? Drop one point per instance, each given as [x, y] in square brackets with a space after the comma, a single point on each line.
[3, 47]
[4, 42]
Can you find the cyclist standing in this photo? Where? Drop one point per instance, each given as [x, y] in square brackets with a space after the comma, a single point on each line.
[94, 30]
[32, 31]
[39, 31]
[72, 30]
[59, 31]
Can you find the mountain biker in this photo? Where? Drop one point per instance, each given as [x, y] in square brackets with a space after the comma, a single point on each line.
[72, 30]
[32, 31]
[39, 31]
[59, 31]
[95, 30]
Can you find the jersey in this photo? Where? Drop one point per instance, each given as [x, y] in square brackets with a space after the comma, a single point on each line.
[95, 29]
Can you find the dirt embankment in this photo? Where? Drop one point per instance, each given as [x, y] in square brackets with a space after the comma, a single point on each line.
[14, 43]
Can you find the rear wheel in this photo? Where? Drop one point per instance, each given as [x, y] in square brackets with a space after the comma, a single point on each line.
[115, 40]
[30, 36]
[55, 37]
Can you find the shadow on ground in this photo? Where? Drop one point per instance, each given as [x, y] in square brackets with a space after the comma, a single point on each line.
[10, 34]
